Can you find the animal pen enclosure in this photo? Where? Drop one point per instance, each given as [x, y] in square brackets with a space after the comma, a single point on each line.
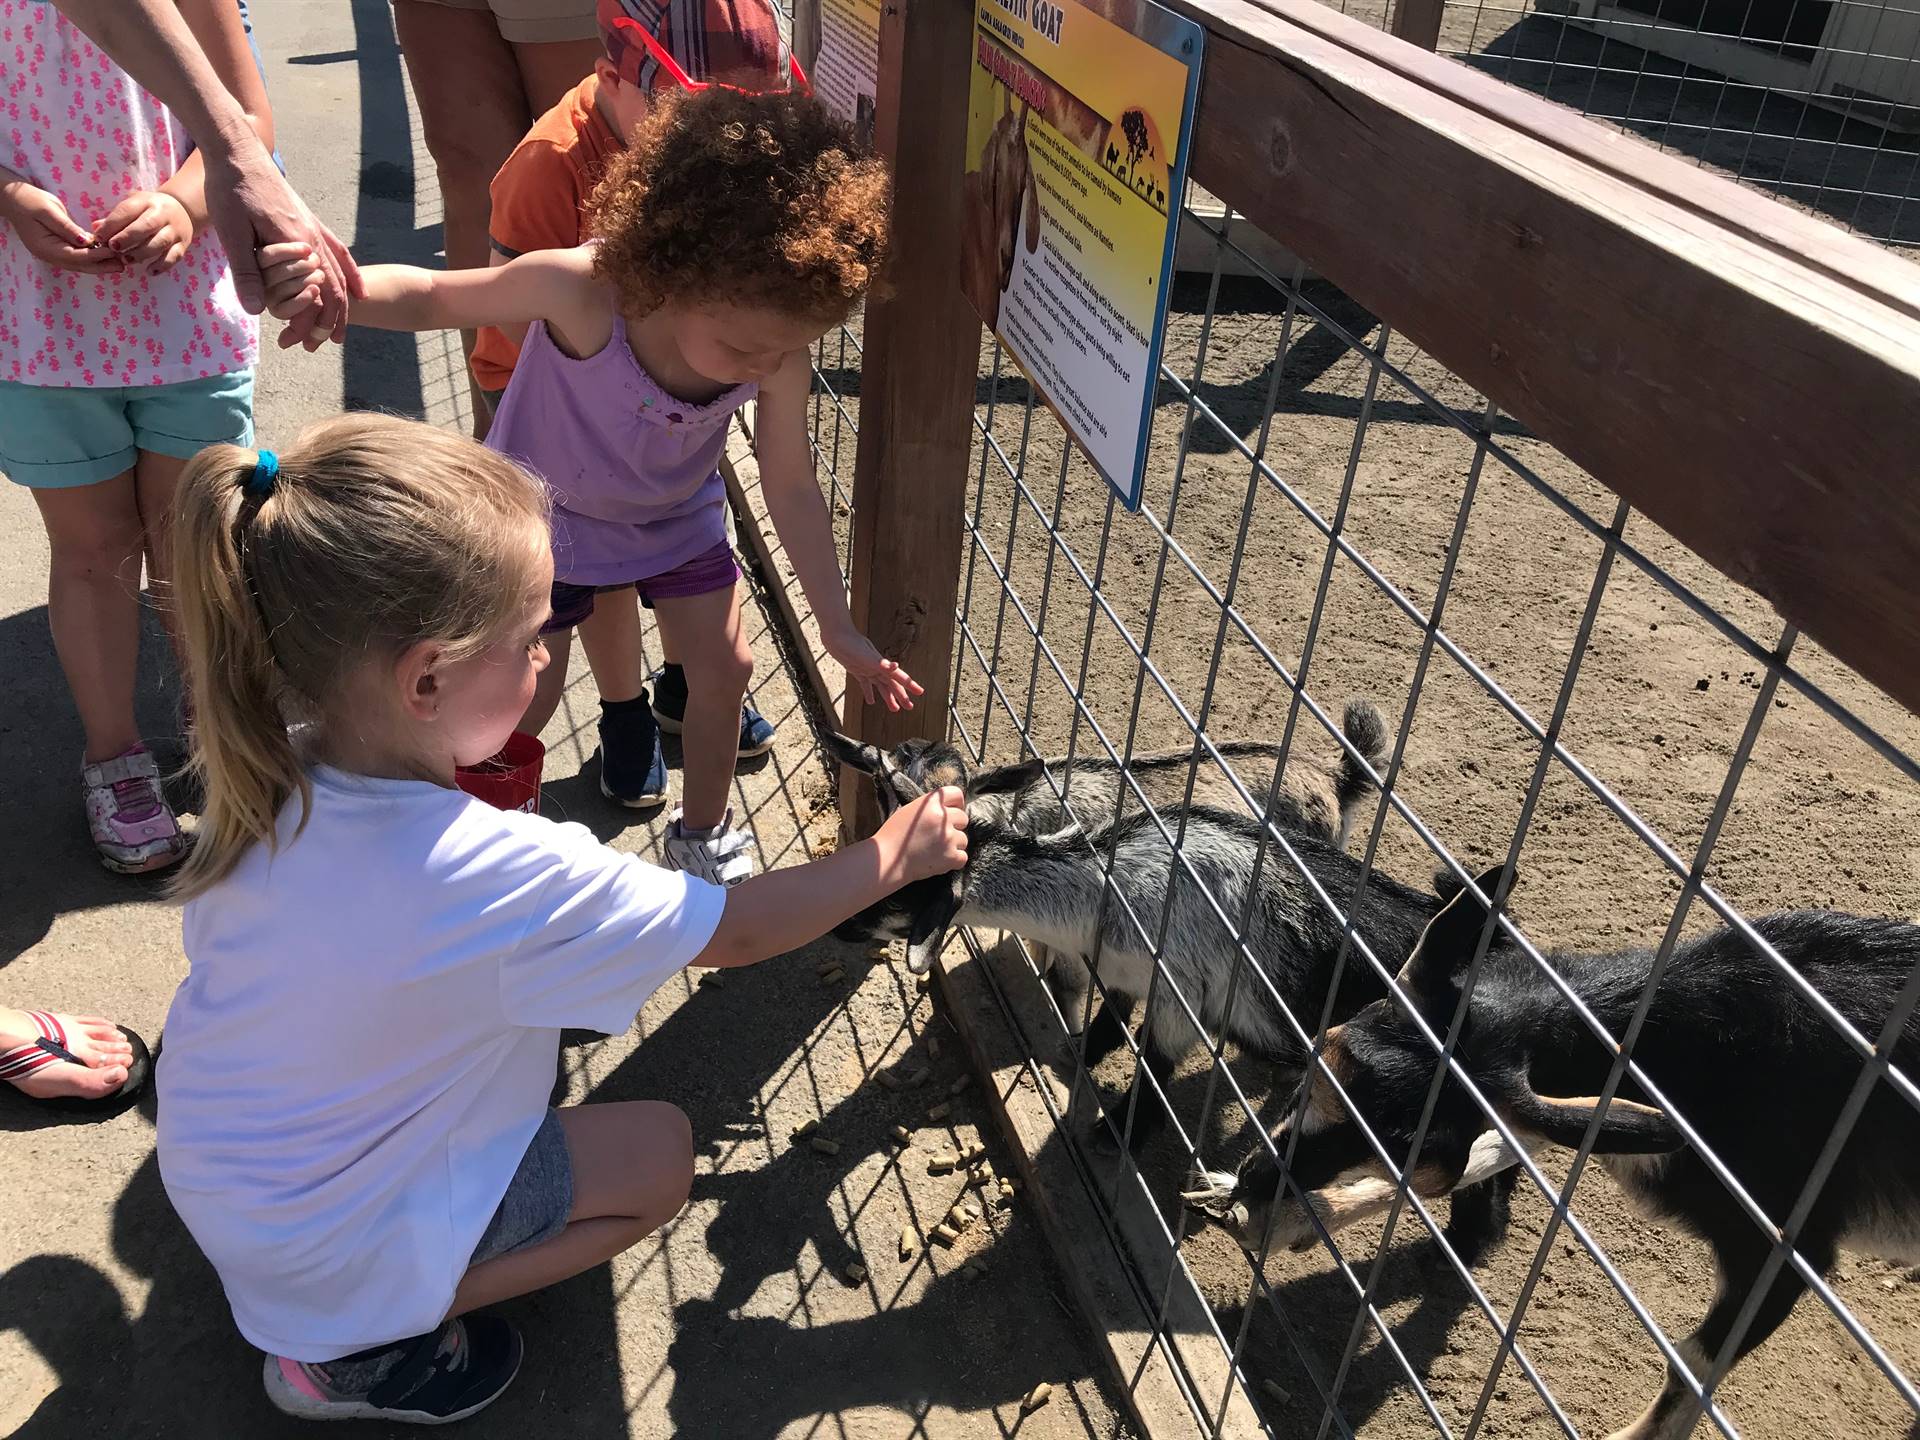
[1595, 475]
[1815, 101]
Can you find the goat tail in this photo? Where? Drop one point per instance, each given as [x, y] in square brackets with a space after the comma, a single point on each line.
[1366, 731]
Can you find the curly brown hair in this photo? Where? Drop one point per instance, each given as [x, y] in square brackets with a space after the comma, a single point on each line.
[761, 200]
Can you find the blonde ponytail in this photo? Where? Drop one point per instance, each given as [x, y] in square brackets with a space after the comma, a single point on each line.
[374, 534]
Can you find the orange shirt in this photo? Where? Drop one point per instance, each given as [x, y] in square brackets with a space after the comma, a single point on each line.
[539, 200]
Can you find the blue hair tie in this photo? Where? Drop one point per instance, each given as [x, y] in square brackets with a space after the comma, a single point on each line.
[265, 471]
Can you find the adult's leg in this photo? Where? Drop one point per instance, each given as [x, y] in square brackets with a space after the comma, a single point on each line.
[611, 638]
[93, 604]
[473, 111]
[550, 69]
[551, 684]
[632, 1168]
[712, 645]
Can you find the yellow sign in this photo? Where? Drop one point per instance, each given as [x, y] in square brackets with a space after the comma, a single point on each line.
[1076, 152]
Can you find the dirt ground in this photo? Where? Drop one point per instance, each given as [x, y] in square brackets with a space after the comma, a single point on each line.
[740, 1321]
[1818, 819]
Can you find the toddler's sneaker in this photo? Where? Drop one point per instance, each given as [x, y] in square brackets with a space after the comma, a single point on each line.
[133, 827]
[719, 856]
[670, 709]
[433, 1379]
[632, 769]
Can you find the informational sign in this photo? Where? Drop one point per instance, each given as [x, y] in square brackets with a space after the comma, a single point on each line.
[847, 64]
[1076, 155]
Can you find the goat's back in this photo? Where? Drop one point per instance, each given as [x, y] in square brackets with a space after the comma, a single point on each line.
[1759, 1072]
[1293, 935]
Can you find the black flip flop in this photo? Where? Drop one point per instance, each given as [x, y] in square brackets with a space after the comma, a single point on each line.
[139, 1070]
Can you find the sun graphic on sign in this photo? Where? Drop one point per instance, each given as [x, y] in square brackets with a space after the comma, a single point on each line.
[1137, 155]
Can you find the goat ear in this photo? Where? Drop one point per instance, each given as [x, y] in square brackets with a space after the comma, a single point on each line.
[857, 753]
[1628, 1128]
[1450, 937]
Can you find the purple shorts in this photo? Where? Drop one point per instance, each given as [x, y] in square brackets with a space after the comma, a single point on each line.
[710, 570]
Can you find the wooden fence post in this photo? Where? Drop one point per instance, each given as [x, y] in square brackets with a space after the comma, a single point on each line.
[920, 356]
[1418, 22]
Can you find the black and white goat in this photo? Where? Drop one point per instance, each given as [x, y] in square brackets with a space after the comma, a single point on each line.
[1734, 1047]
[1035, 871]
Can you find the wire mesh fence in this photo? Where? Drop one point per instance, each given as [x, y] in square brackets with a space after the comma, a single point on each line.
[1221, 848]
[1814, 101]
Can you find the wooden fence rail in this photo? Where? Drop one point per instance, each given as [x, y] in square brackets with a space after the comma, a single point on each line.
[1747, 376]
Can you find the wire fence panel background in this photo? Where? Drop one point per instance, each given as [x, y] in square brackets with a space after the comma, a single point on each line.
[1329, 514]
[1780, 94]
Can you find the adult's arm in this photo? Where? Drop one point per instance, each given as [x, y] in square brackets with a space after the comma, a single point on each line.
[248, 200]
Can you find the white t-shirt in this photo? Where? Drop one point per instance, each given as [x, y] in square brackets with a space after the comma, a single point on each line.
[368, 1037]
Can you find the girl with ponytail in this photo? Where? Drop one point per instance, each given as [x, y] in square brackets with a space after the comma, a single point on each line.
[354, 1119]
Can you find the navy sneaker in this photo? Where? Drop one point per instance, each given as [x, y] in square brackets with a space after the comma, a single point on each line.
[632, 769]
[670, 709]
[434, 1379]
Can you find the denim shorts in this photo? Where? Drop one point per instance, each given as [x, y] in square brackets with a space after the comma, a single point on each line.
[539, 1197]
[710, 570]
[57, 437]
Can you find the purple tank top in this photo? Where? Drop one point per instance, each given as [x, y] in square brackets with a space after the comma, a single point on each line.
[634, 473]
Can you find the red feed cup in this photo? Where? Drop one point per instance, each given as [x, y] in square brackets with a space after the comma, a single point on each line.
[511, 779]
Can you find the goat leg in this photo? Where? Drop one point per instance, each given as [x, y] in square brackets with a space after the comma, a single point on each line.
[1738, 1258]
[1107, 1032]
[1478, 1215]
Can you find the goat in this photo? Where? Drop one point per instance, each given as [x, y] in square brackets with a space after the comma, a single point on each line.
[1314, 794]
[1042, 880]
[1728, 1040]
[1319, 794]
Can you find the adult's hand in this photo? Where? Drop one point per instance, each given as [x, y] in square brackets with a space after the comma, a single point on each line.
[252, 206]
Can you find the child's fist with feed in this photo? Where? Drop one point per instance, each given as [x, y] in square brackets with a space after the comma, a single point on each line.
[926, 837]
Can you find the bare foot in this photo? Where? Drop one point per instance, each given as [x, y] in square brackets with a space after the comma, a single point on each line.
[96, 1041]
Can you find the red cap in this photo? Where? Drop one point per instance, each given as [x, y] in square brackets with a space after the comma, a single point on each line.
[733, 42]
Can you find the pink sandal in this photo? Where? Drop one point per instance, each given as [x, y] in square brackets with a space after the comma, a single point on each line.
[51, 1049]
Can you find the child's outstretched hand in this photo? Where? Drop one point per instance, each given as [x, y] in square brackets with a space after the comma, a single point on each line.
[881, 681]
[928, 837]
[149, 230]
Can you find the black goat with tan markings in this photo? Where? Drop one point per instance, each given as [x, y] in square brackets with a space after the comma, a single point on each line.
[1759, 1074]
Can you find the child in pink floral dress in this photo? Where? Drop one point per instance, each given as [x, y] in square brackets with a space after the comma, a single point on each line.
[123, 352]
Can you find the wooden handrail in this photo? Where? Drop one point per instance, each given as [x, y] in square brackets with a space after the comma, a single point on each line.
[1746, 375]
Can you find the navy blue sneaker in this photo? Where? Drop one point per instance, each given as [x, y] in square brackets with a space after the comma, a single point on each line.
[670, 709]
[456, 1371]
[632, 769]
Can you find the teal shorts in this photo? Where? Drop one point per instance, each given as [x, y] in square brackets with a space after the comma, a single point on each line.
[54, 437]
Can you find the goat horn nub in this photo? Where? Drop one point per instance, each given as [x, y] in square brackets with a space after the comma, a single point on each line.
[1210, 1190]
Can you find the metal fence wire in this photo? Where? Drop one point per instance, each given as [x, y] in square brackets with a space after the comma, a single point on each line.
[1815, 101]
[1566, 692]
